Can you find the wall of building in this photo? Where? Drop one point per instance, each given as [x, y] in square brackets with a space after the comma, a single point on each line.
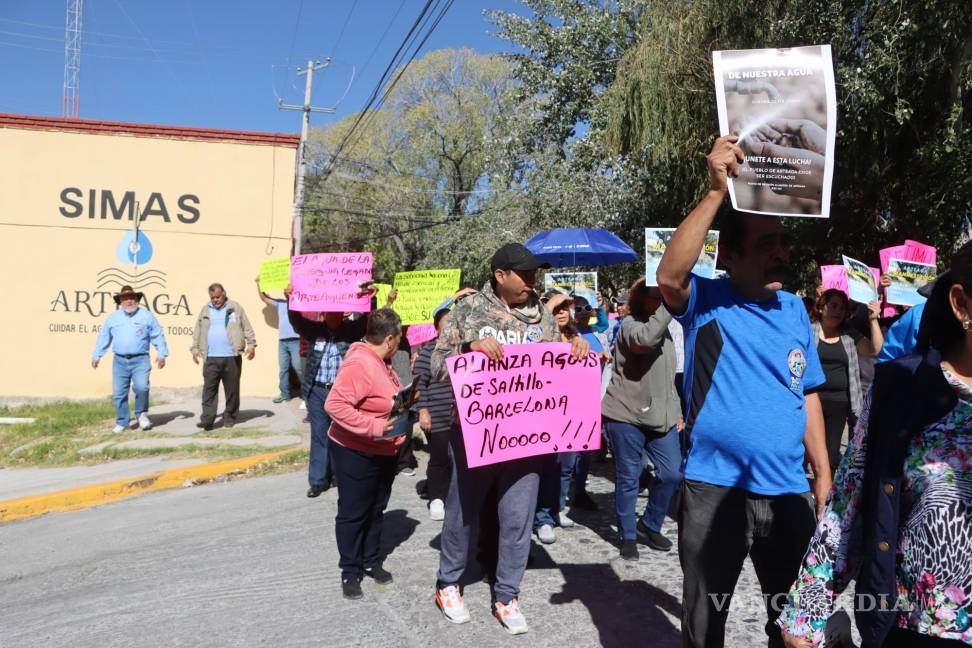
[213, 207]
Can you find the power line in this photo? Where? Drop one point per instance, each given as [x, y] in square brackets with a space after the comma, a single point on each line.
[381, 39]
[347, 19]
[293, 39]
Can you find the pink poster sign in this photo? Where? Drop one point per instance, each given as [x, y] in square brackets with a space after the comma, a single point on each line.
[535, 400]
[893, 252]
[834, 276]
[329, 282]
[420, 333]
[921, 252]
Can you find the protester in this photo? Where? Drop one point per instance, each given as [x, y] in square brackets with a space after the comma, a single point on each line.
[331, 339]
[575, 466]
[222, 333]
[751, 366]
[902, 337]
[507, 308]
[898, 519]
[435, 403]
[602, 322]
[128, 332]
[551, 510]
[838, 346]
[288, 348]
[642, 413]
[359, 404]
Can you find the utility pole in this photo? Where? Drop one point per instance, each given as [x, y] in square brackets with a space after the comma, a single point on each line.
[72, 59]
[307, 109]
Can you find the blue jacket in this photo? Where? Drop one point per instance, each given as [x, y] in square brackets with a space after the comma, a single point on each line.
[908, 394]
[902, 337]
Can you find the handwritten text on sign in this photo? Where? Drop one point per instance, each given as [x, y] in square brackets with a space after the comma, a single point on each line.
[330, 282]
[535, 400]
[420, 291]
[274, 274]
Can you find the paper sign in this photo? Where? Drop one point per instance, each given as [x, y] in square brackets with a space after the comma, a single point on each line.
[582, 284]
[656, 242]
[420, 333]
[381, 297]
[906, 278]
[835, 277]
[860, 281]
[921, 253]
[783, 106]
[536, 400]
[274, 274]
[329, 282]
[419, 292]
[893, 252]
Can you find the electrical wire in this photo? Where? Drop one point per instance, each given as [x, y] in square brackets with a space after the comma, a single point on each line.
[344, 27]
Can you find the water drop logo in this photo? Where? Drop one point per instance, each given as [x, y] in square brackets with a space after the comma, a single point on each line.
[134, 248]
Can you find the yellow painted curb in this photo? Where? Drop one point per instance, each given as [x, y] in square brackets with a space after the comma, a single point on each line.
[95, 494]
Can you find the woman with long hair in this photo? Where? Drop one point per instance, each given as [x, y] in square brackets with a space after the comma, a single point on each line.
[898, 520]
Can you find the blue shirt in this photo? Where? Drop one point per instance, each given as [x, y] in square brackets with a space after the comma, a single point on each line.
[330, 361]
[747, 367]
[218, 341]
[903, 335]
[130, 334]
[287, 331]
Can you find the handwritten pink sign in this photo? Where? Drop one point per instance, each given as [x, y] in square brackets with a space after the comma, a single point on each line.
[329, 282]
[893, 252]
[536, 400]
[420, 333]
[921, 252]
[835, 276]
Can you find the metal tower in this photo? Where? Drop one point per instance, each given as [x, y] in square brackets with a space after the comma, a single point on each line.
[72, 59]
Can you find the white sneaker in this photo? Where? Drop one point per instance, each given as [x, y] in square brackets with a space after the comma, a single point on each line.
[303, 405]
[510, 617]
[118, 429]
[144, 422]
[546, 535]
[437, 510]
[452, 605]
[564, 520]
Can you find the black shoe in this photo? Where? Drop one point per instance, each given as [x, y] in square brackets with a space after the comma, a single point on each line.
[351, 588]
[280, 399]
[629, 550]
[379, 575]
[583, 501]
[204, 426]
[228, 422]
[653, 539]
[314, 491]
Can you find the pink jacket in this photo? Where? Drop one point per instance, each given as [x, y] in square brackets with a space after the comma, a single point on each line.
[361, 400]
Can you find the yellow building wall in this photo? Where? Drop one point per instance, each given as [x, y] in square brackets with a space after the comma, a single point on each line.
[61, 271]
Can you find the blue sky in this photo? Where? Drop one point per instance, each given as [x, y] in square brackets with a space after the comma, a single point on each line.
[216, 63]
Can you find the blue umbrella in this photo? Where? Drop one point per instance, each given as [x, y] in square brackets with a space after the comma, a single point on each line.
[565, 247]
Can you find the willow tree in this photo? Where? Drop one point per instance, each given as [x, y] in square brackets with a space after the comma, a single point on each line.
[904, 144]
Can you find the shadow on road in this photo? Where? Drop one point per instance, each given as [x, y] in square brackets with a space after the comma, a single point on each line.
[249, 415]
[625, 613]
[168, 417]
[396, 529]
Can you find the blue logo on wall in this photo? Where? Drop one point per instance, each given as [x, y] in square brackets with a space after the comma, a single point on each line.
[134, 249]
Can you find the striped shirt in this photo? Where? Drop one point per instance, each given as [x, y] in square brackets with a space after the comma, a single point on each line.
[434, 396]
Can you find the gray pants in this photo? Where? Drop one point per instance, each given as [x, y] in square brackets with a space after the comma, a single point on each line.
[516, 485]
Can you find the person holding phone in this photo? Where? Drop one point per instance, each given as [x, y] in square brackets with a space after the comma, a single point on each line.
[365, 455]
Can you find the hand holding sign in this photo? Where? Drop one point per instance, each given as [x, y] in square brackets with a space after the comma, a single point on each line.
[536, 399]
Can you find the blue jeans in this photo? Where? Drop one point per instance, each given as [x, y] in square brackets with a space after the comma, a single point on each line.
[630, 445]
[548, 493]
[288, 353]
[576, 465]
[321, 468]
[134, 373]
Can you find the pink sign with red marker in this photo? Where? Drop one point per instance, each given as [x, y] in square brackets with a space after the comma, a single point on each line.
[537, 399]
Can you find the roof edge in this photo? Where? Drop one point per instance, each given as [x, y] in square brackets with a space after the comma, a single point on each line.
[98, 127]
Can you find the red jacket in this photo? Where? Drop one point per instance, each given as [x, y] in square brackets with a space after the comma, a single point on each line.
[361, 400]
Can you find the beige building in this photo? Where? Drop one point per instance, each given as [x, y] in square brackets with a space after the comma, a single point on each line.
[213, 204]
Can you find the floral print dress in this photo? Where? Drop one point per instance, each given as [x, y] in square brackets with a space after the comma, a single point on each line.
[934, 559]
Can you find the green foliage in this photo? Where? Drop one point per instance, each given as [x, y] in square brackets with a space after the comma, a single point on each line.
[904, 152]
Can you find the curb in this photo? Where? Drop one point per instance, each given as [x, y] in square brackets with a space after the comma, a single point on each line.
[96, 494]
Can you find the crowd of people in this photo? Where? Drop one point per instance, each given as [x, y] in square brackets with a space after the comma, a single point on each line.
[728, 400]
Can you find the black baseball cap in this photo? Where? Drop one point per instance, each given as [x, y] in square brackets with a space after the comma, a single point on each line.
[515, 256]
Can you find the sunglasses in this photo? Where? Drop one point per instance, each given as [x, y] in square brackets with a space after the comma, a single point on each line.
[587, 308]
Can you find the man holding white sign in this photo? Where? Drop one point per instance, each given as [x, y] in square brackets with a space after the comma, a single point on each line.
[751, 372]
[506, 311]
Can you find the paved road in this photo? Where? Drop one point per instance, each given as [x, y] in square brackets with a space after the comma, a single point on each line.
[253, 563]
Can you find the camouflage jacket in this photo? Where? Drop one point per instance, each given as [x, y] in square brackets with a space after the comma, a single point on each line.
[485, 315]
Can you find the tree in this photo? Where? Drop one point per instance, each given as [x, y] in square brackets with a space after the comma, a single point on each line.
[904, 152]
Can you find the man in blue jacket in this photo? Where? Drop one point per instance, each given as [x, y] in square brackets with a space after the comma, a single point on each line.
[128, 332]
